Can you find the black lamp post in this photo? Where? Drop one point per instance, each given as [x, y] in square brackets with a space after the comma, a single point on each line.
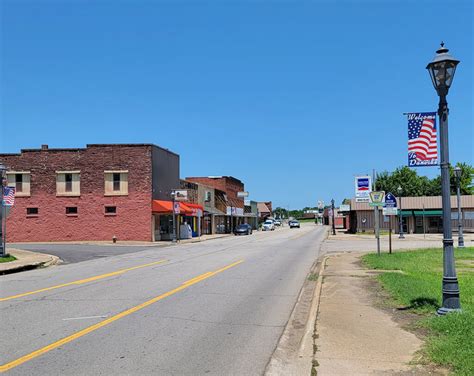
[442, 70]
[400, 236]
[3, 170]
[457, 173]
[333, 223]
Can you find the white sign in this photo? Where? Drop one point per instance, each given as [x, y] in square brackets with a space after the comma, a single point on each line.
[176, 208]
[344, 208]
[180, 195]
[363, 187]
[389, 211]
[242, 194]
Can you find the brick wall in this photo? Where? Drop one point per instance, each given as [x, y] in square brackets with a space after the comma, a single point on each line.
[227, 184]
[133, 218]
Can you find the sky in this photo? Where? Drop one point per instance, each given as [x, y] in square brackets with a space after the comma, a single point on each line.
[294, 98]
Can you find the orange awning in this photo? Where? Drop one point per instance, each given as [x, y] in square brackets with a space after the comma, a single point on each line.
[166, 207]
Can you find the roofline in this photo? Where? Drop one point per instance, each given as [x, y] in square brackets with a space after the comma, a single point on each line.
[87, 146]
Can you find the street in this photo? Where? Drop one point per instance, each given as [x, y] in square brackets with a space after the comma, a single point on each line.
[216, 307]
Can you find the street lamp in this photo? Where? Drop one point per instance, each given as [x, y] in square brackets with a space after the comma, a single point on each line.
[400, 190]
[442, 70]
[457, 173]
[333, 224]
[3, 170]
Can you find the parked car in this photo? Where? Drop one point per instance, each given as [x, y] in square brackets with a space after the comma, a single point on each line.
[277, 222]
[294, 223]
[243, 229]
[268, 225]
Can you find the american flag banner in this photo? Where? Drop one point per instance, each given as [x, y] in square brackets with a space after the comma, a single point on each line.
[8, 196]
[422, 139]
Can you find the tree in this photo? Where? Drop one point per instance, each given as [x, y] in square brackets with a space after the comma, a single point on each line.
[414, 185]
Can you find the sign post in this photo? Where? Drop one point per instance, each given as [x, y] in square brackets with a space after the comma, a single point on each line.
[390, 209]
[376, 200]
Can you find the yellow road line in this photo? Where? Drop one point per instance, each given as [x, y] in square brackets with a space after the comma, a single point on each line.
[81, 281]
[83, 332]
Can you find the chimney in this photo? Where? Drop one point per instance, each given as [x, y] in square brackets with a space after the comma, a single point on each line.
[44, 147]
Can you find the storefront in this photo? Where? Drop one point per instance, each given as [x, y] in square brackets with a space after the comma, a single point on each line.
[163, 218]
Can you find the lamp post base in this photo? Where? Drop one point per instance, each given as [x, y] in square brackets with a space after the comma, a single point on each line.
[401, 236]
[444, 311]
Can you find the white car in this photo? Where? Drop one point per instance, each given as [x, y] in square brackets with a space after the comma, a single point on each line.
[268, 225]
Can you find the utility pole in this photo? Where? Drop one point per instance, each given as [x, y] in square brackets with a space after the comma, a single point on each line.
[173, 198]
[333, 223]
[377, 219]
[3, 169]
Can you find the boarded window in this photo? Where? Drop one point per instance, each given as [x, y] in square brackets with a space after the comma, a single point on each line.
[20, 180]
[68, 183]
[71, 210]
[110, 210]
[32, 211]
[116, 183]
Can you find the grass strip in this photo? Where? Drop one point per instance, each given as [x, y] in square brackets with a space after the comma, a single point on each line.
[7, 258]
[450, 340]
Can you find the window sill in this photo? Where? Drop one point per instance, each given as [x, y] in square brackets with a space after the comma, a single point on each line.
[110, 214]
[32, 215]
[116, 194]
[72, 215]
[68, 194]
[22, 194]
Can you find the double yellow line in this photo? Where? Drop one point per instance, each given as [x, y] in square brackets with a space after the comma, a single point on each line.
[82, 281]
[83, 332]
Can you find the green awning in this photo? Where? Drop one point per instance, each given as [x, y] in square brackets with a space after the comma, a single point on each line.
[407, 212]
[428, 213]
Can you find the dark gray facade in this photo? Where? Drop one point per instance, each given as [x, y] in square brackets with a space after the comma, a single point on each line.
[165, 173]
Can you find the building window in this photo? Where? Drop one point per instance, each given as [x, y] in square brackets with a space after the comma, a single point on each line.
[32, 212]
[71, 210]
[20, 180]
[68, 183]
[207, 196]
[110, 210]
[116, 183]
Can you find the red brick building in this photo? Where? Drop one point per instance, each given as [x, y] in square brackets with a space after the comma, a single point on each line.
[92, 193]
[228, 184]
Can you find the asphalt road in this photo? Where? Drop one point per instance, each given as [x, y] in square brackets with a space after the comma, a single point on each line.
[211, 308]
[72, 253]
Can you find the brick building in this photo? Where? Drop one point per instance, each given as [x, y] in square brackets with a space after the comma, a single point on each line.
[92, 193]
[234, 213]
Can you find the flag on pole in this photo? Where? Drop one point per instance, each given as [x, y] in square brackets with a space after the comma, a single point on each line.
[8, 196]
[422, 139]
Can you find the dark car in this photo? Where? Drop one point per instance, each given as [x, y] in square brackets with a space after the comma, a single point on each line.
[243, 229]
[294, 224]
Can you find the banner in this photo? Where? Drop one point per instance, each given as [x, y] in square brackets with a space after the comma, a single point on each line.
[8, 196]
[422, 139]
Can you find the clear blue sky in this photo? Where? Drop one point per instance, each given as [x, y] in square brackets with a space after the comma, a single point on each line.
[294, 98]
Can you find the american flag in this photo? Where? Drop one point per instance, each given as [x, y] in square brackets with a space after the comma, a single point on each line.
[422, 139]
[8, 196]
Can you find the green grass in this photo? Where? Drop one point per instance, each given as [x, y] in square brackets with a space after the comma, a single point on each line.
[450, 340]
[7, 258]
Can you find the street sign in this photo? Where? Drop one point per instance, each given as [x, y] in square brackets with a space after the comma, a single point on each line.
[390, 205]
[180, 195]
[389, 211]
[176, 208]
[242, 194]
[376, 198]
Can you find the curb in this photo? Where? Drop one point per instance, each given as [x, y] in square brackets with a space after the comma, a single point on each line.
[54, 260]
[295, 351]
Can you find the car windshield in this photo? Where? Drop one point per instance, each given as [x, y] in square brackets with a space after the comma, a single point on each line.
[268, 222]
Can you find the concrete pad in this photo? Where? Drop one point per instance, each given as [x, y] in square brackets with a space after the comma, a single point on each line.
[354, 338]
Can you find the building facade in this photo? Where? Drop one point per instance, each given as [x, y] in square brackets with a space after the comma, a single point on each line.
[94, 193]
[419, 215]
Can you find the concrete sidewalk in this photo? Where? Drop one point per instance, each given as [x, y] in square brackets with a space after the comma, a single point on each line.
[354, 337]
[26, 260]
